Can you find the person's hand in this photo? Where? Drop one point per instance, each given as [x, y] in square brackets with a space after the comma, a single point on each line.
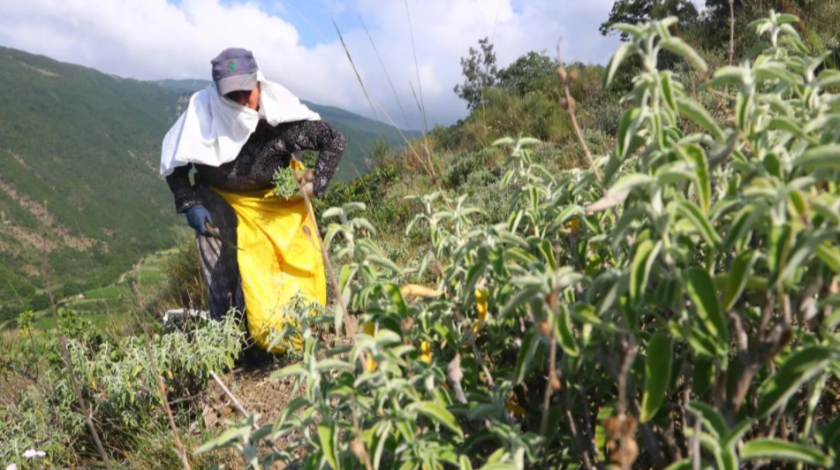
[306, 188]
[197, 217]
[303, 176]
[304, 180]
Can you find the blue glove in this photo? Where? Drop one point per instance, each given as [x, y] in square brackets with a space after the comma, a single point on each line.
[196, 217]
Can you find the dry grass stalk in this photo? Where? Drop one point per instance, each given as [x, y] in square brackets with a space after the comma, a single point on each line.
[176, 435]
[568, 104]
[349, 326]
[387, 75]
[552, 381]
[86, 411]
[417, 70]
[731, 31]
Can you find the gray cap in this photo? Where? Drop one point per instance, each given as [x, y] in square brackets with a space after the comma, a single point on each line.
[234, 69]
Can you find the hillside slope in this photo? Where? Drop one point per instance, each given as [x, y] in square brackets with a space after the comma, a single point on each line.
[79, 152]
[359, 130]
[78, 162]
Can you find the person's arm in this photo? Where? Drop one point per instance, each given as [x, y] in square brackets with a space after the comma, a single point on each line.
[327, 140]
[182, 190]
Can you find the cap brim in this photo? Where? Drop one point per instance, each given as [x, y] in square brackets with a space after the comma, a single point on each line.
[236, 83]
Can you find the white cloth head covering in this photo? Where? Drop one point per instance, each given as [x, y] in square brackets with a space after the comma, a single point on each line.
[213, 129]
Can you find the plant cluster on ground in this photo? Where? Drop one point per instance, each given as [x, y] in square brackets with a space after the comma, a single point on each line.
[631, 266]
[673, 304]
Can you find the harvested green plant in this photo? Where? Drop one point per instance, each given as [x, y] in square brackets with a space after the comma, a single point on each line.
[285, 183]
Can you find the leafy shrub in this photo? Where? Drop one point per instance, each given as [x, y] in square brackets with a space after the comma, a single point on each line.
[117, 380]
[503, 113]
[185, 283]
[463, 165]
[674, 302]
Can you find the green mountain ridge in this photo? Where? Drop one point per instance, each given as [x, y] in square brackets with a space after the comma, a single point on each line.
[79, 156]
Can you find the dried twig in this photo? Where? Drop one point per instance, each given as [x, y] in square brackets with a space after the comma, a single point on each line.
[358, 446]
[417, 70]
[627, 343]
[478, 357]
[238, 405]
[731, 31]
[589, 435]
[176, 435]
[568, 104]
[385, 69]
[573, 430]
[695, 445]
[552, 381]
[86, 411]
[455, 375]
[349, 327]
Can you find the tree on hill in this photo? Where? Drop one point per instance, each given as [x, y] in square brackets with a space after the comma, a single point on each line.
[640, 11]
[533, 71]
[530, 72]
[480, 72]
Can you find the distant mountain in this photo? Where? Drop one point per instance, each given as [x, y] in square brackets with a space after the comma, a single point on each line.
[359, 130]
[79, 155]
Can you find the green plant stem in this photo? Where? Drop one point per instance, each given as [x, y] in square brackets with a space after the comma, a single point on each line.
[552, 363]
[573, 430]
[176, 435]
[358, 434]
[478, 357]
[86, 412]
[349, 324]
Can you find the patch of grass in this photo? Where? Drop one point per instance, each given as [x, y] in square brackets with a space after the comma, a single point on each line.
[46, 322]
[109, 292]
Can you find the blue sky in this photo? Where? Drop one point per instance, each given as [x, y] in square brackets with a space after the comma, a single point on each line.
[295, 43]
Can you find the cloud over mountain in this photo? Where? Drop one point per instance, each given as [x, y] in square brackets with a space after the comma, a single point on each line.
[153, 39]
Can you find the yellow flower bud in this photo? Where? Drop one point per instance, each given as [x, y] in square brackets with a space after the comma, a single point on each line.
[425, 352]
[370, 363]
[513, 407]
[481, 303]
[296, 164]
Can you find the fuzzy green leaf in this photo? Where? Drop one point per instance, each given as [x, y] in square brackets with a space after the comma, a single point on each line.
[712, 420]
[830, 255]
[739, 274]
[646, 255]
[437, 413]
[701, 290]
[692, 110]
[626, 130]
[780, 450]
[564, 332]
[824, 156]
[657, 374]
[679, 47]
[697, 156]
[615, 62]
[690, 211]
[326, 435]
[530, 342]
[633, 180]
[797, 369]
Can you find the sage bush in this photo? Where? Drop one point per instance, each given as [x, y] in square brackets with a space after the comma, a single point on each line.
[673, 305]
[117, 380]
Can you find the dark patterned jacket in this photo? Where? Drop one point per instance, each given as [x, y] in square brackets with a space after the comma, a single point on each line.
[267, 149]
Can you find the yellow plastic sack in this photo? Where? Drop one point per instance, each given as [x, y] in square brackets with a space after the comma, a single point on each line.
[280, 256]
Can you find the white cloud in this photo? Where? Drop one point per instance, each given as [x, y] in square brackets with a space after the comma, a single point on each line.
[151, 39]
